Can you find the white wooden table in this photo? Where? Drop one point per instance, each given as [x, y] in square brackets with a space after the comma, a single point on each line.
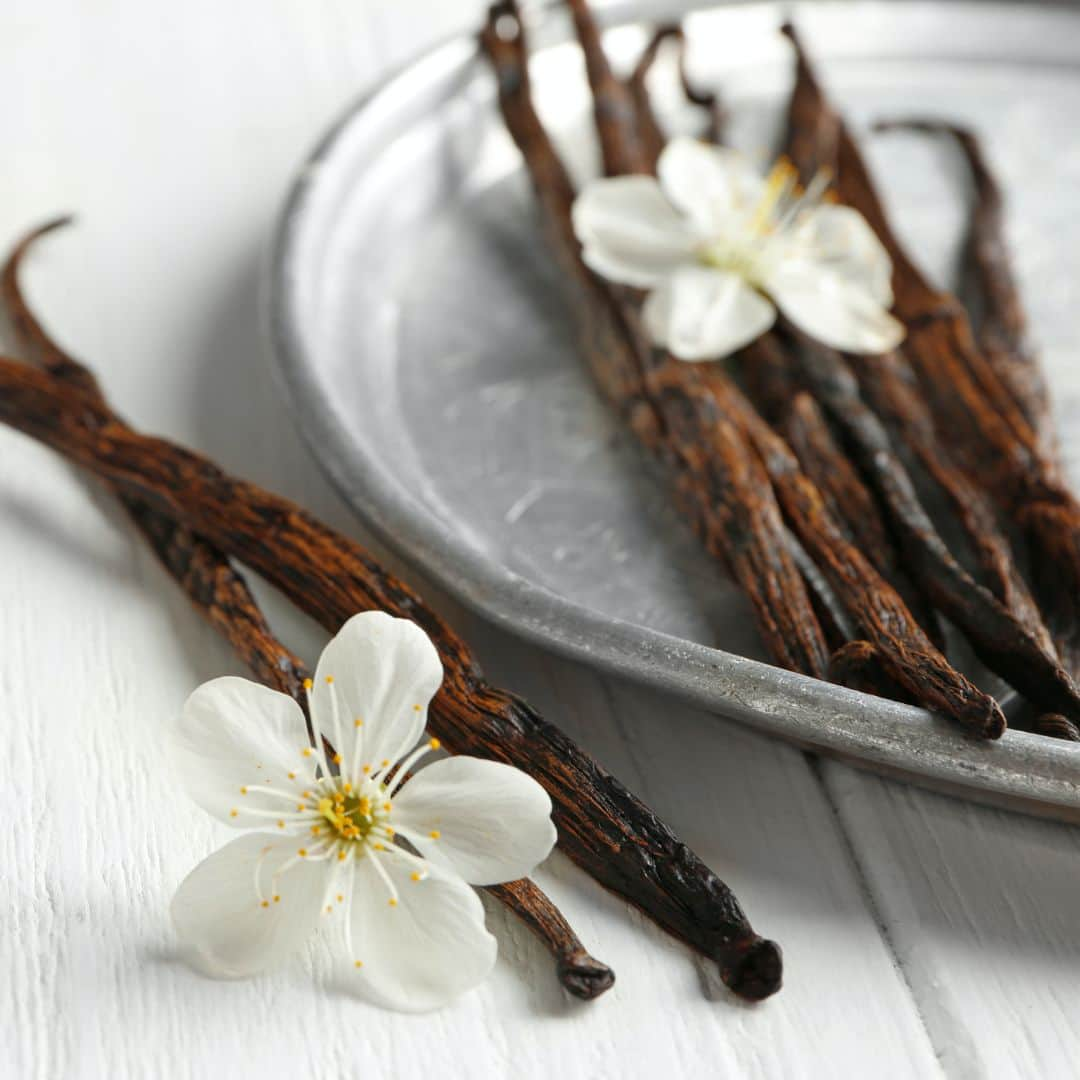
[922, 936]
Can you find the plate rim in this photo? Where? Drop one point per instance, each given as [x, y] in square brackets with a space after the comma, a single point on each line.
[1024, 772]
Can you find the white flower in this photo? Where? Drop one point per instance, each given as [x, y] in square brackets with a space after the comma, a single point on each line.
[714, 242]
[324, 839]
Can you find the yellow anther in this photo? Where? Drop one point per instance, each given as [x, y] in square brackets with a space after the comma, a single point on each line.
[302, 853]
[306, 794]
[346, 787]
[266, 903]
[389, 831]
[378, 847]
[386, 806]
[281, 824]
[383, 764]
[277, 899]
[358, 722]
[337, 759]
[306, 751]
[233, 812]
[358, 963]
[417, 708]
[340, 898]
[416, 875]
[315, 830]
[341, 856]
[393, 901]
[434, 834]
[292, 776]
[300, 806]
[329, 679]
[308, 684]
[243, 791]
[434, 744]
[366, 769]
[365, 805]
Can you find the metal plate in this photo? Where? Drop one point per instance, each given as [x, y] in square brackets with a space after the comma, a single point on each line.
[422, 337]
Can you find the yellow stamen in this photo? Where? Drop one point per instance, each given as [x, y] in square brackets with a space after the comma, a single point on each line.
[337, 759]
[266, 903]
[358, 722]
[277, 899]
[243, 791]
[281, 824]
[434, 744]
[308, 684]
[306, 751]
[329, 680]
[393, 901]
[434, 834]
[358, 963]
[416, 875]
[233, 812]
[302, 853]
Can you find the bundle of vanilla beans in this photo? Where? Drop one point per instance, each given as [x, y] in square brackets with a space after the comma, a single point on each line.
[808, 454]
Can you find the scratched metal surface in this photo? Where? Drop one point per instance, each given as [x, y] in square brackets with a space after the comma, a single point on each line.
[422, 336]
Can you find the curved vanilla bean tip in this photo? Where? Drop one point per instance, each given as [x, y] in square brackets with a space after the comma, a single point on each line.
[583, 976]
[754, 970]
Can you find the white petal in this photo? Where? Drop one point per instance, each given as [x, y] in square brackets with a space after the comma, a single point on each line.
[425, 951]
[385, 671]
[629, 232]
[839, 313]
[710, 184]
[232, 734]
[842, 242]
[494, 822]
[219, 913]
[704, 314]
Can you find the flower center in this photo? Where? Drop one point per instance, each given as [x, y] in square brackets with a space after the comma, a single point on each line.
[753, 242]
[354, 816]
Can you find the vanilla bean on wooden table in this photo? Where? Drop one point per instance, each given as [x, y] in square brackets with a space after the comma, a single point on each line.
[872, 604]
[218, 591]
[601, 825]
[974, 412]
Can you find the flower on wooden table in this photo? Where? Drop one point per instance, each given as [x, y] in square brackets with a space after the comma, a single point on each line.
[351, 839]
[719, 248]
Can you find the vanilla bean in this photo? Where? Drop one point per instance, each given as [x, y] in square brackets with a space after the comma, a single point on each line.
[613, 103]
[1003, 642]
[222, 596]
[906, 654]
[579, 973]
[797, 417]
[973, 411]
[989, 285]
[716, 477]
[879, 612]
[202, 571]
[650, 134]
[601, 825]
[857, 665]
